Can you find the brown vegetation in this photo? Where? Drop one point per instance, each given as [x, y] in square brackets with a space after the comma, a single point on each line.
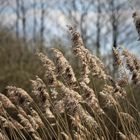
[65, 106]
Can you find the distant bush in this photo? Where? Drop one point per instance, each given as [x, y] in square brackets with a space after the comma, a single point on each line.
[18, 62]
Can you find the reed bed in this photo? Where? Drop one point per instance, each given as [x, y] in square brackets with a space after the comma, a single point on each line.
[69, 108]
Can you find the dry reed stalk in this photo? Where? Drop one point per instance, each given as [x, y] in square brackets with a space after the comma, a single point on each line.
[79, 136]
[66, 91]
[19, 97]
[117, 57]
[122, 136]
[71, 105]
[92, 63]
[90, 98]
[66, 137]
[107, 100]
[29, 128]
[81, 130]
[118, 92]
[122, 81]
[36, 117]
[33, 122]
[42, 96]
[59, 106]
[26, 124]
[6, 102]
[88, 121]
[133, 137]
[3, 112]
[64, 69]
[73, 108]
[85, 73]
[49, 69]
[22, 111]
[119, 65]
[16, 124]
[133, 64]
[6, 123]
[127, 118]
[3, 136]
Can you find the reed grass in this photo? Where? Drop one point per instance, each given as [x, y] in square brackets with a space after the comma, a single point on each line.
[70, 108]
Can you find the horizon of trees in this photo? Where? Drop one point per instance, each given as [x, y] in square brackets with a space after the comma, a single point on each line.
[36, 25]
[102, 23]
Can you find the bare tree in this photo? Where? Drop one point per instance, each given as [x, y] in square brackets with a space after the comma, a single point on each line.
[114, 22]
[42, 24]
[23, 14]
[17, 18]
[98, 26]
[34, 21]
